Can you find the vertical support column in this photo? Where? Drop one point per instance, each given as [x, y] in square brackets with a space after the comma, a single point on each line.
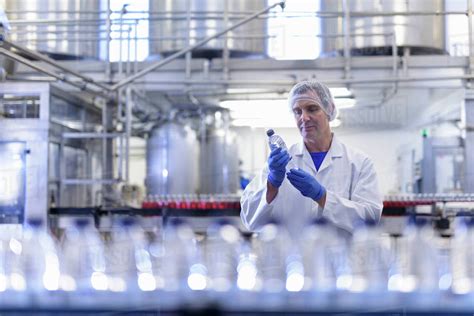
[108, 25]
[225, 52]
[428, 175]
[347, 39]
[470, 39]
[107, 151]
[135, 61]
[469, 142]
[188, 55]
[129, 50]
[128, 132]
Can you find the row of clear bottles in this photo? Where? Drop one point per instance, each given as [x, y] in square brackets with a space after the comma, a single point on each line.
[430, 197]
[134, 266]
[192, 201]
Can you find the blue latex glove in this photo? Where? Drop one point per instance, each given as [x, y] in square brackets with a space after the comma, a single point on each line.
[277, 162]
[306, 184]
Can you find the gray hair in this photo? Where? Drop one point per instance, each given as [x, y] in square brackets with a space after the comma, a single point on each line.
[304, 89]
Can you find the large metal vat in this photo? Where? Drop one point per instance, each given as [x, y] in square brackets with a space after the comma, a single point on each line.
[64, 29]
[172, 160]
[207, 17]
[219, 161]
[423, 34]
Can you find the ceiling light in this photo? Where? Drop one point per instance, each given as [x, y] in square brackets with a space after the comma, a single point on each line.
[340, 92]
[264, 113]
[335, 123]
[344, 103]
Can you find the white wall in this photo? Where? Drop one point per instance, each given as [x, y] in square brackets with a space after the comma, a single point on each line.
[138, 161]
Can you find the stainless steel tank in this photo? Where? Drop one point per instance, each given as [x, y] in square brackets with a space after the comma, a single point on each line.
[206, 20]
[423, 34]
[172, 160]
[7, 65]
[64, 29]
[219, 160]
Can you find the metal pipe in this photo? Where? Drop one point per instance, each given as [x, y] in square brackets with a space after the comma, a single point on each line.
[120, 42]
[62, 171]
[188, 55]
[89, 181]
[135, 62]
[156, 39]
[347, 39]
[165, 13]
[104, 145]
[120, 159]
[292, 82]
[394, 55]
[129, 48]
[128, 131]
[119, 105]
[175, 16]
[18, 58]
[55, 64]
[108, 24]
[470, 40]
[172, 57]
[31, 78]
[91, 135]
[225, 52]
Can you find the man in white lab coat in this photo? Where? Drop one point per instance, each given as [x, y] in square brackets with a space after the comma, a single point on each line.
[319, 177]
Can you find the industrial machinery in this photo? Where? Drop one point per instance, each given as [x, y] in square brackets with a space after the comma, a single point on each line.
[372, 32]
[50, 153]
[219, 155]
[171, 30]
[172, 160]
[73, 30]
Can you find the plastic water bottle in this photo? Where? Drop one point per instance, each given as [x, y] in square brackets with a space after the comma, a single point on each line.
[83, 267]
[175, 257]
[462, 258]
[221, 255]
[272, 248]
[275, 140]
[324, 257]
[39, 258]
[128, 260]
[369, 258]
[415, 268]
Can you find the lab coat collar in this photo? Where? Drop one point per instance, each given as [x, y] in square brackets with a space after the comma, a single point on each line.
[334, 151]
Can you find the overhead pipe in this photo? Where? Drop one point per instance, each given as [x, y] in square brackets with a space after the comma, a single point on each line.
[326, 14]
[347, 40]
[82, 86]
[172, 57]
[470, 39]
[292, 82]
[54, 63]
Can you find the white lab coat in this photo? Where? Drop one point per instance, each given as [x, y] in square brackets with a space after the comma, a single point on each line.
[351, 185]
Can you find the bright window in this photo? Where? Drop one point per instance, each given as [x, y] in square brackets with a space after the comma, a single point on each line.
[293, 32]
[134, 24]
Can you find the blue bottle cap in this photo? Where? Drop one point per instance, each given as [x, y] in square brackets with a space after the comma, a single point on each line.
[270, 132]
[469, 221]
[321, 221]
[176, 221]
[421, 221]
[81, 222]
[35, 222]
[127, 221]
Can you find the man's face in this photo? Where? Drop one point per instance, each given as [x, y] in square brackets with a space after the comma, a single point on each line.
[310, 118]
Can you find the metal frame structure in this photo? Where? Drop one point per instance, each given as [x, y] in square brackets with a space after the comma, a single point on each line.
[200, 78]
[34, 132]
